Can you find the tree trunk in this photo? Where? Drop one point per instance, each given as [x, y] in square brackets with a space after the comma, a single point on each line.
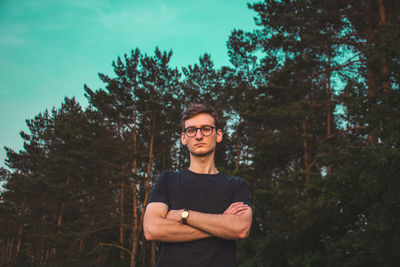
[148, 178]
[371, 77]
[61, 213]
[80, 245]
[59, 221]
[153, 254]
[18, 248]
[47, 256]
[20, 230]
[307, 157]
[122, 218]
[384, 67]
[238, 147]
[143, 253]
[134, 233]
[329, 108]
[147, 183]
[10, 249]
[39, 251]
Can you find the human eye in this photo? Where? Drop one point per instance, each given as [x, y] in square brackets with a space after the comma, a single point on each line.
[190, 130]
[206, 129]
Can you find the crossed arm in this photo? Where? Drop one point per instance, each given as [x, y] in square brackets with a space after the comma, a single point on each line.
[163, 225]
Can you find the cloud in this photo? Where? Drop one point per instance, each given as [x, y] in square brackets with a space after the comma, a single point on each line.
[131, 20]
[4, 91]
[8, 39]
[13, 35]
[151, 16]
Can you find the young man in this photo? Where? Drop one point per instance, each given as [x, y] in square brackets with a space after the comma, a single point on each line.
[197, 214]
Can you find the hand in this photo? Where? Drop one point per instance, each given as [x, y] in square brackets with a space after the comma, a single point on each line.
[236, 208]
[174, 215]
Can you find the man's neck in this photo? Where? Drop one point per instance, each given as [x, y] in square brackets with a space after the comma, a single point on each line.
[204, 165]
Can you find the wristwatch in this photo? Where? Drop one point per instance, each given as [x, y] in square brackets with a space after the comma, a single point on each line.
[184, 216]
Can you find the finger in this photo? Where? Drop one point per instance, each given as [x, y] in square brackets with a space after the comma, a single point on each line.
[239, 209]
[241, 212]
[235, 204]
[236, 209]
[231, 210]
[242, 207]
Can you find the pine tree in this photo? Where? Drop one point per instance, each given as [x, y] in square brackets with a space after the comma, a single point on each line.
[307, 46]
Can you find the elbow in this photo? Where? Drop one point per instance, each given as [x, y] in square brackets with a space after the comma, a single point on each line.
[148, 236]
[244, 233]
[149, 233]
[243, 230]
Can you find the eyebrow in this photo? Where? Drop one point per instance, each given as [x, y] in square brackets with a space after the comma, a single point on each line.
[200, 126]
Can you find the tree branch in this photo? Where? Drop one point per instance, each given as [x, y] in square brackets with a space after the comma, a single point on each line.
[115, 246]
[337, 67]
[344, 131]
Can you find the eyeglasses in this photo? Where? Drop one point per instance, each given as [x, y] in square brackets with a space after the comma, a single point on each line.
[205, 131]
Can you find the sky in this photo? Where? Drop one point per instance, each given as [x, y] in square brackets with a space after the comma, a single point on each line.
[50, 49]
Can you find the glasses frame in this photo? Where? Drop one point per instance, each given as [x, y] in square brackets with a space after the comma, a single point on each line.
[201, 130]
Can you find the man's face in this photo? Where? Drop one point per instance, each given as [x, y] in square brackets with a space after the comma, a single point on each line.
[200, 145]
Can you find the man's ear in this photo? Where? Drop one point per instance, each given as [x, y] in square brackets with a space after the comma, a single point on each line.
[219, 136]
[183, 139]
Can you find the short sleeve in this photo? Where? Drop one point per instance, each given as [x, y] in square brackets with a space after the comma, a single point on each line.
[241, 192]
[159, 193]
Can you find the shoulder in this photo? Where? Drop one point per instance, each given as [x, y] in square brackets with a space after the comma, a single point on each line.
[241, 191]
[235, 180]
[238, 184]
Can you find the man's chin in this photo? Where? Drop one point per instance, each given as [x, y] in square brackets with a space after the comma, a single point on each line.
[201, 154]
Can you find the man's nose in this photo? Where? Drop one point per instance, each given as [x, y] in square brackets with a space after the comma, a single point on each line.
[199, 135]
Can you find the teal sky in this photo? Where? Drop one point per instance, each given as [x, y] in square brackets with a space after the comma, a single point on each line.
[50, 48]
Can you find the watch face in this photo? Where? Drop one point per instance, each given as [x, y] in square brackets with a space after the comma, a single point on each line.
[185, 214]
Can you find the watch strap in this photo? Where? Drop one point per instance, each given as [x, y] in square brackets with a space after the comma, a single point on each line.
[185, 215]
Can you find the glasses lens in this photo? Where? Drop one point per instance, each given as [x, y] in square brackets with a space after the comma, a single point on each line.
[191, 131]
[206, 130]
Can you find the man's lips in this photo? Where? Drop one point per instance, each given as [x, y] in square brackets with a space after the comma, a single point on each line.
[200, 144]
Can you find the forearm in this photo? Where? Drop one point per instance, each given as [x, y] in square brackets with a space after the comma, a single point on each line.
[165, 230]
[166, 226]
[226, 226]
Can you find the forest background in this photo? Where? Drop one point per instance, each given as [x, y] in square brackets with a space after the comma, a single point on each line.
[310, 108]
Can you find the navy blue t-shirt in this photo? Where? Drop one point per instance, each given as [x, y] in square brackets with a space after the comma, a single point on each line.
[208, 193]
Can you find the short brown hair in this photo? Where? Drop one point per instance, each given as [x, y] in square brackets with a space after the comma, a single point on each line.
[197, 109]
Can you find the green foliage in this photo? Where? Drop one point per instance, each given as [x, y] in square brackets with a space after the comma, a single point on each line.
[310, 115]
